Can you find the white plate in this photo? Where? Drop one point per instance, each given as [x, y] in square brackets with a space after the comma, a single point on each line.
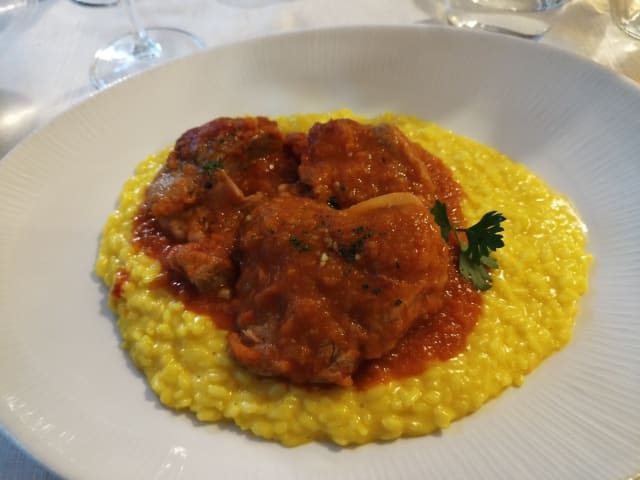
[72, 398]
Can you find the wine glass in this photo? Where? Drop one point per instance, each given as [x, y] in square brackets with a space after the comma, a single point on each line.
[12, 8]
[139, 50]
[96, 3]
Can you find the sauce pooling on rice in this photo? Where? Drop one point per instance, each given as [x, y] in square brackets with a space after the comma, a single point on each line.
[320, 248]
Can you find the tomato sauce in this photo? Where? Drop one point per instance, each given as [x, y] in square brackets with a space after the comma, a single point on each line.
[122, 275]
[434, 337]
[150, 239]
[443, 335]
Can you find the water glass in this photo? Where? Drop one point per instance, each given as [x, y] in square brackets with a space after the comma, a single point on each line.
[626, 15]
[520, 6]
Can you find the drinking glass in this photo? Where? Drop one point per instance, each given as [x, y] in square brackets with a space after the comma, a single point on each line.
[521, 6]
[96, 3]
[524, 18]
[12, 8]
[139, 50]
[626, 15]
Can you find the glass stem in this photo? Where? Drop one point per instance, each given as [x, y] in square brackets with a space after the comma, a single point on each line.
[132, 10]
[144, 46]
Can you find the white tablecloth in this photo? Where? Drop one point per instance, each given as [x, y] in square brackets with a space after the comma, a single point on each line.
[46, 49]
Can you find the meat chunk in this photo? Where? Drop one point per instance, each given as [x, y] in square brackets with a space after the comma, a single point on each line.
[320, 246]
[213, 168]
[347, 162]
[249, 149]
[210, 181]
[207, 265]
[182, 219]
[321, 290]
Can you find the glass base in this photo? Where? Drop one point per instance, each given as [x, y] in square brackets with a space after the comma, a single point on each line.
[628, 22]
[96, 3]
[134, 53]
[522, 6]
[11, 9]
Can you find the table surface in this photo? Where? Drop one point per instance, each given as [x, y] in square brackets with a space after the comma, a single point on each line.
[48, 45]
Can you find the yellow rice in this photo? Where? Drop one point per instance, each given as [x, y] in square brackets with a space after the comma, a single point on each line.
[527, 315]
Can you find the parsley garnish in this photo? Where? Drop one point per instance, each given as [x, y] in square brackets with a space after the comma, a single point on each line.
[476, 244]
[212, 166]
[352, 252]
[298, 244]
[375, 290]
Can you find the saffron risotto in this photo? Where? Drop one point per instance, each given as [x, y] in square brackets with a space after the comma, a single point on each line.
[527, 315]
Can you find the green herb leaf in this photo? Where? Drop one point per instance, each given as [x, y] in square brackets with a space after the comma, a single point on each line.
[475, 250]
[477, 274]
[484, 237]
[439, 212]
[298, 244]
[212, 166]
[350, 253]
[489, 261]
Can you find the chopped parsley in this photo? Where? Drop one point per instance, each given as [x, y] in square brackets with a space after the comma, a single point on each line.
[351, 252]
[398, 302]
[333, 203]
[374, 290]
[476, 244]
[298, 244]
[211, 166]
